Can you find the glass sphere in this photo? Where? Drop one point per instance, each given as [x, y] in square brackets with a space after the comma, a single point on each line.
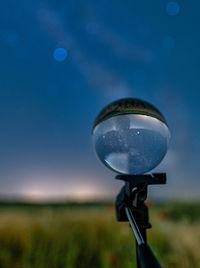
[131, 143]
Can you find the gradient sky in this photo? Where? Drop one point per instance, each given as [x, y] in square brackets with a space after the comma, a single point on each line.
[63, 61]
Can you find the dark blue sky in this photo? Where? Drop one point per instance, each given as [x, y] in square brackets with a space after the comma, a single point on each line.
[62, 61]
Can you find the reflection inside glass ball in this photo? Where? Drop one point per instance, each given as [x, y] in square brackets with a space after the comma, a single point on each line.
[131, 143]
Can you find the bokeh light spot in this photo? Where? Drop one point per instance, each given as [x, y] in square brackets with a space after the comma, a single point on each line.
[92, 27]
[11, 38]
[172, 8]
[60, 54]
[168, 42]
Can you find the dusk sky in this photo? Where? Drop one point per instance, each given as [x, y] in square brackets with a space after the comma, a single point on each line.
[63, 61]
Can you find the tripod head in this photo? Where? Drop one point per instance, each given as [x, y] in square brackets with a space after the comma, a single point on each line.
[134, 193]
[130, 207]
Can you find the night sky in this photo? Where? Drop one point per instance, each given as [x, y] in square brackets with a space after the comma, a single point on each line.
[61, 62]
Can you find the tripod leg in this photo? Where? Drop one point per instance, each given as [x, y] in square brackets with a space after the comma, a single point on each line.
[137, 257]
[143, 233]
[140, 234]
[133, 224]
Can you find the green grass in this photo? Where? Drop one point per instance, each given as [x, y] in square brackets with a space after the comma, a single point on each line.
[90, 236]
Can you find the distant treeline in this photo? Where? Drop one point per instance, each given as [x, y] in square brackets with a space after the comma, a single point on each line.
[69, 204]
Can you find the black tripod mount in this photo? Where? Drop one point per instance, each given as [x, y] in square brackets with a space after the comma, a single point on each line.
[130, 206]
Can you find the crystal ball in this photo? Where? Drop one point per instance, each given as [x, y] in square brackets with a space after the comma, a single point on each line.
[130, 136]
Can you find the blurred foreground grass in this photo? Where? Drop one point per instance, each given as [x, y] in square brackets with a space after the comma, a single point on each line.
[90, 237]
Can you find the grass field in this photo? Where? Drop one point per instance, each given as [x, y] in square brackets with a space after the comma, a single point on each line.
[90, 236]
